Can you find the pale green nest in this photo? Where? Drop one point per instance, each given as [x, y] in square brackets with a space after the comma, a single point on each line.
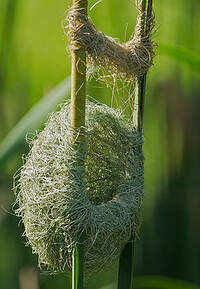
[56, 201]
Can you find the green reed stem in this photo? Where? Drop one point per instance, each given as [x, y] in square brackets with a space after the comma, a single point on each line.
[78, 102]
[78, 264]
[141, 81]
[78, 76]
[149, 16]
[125, 273]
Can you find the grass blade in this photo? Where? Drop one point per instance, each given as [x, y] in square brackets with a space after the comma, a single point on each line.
[33, 119]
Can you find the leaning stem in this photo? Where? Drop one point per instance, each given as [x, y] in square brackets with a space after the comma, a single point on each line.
[141, 81]
[149, 17]
[78, 102]
[125, 273]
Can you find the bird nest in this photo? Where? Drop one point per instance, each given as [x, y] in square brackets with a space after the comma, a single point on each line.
[59, 198]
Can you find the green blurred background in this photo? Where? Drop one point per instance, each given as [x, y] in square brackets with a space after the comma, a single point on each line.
[33, 60]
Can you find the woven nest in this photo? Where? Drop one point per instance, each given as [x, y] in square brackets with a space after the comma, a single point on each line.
[58, 198]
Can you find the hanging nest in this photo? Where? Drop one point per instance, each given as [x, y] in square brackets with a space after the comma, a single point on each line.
[58, 197]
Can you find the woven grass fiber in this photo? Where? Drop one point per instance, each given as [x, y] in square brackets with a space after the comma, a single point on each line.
[58, 198]
[114, 59]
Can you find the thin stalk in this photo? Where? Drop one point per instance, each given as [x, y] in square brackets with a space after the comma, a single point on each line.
[78, 264]
[78, 101]
[125, 273]
[149, 16]
[141, 81]
[78, 82]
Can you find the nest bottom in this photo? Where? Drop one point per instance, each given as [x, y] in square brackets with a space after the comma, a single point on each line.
[58, 198]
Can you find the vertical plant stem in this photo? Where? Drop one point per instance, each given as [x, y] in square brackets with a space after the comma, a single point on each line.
[78, 264]
[78, 100]
[78, 85]
[140, 82]
[125, 273]
[149, 16]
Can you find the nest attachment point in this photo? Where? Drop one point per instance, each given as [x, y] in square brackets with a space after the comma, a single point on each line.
[124, 61]
[58, 197]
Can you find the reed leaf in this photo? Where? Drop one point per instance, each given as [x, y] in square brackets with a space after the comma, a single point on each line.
[32, 120]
